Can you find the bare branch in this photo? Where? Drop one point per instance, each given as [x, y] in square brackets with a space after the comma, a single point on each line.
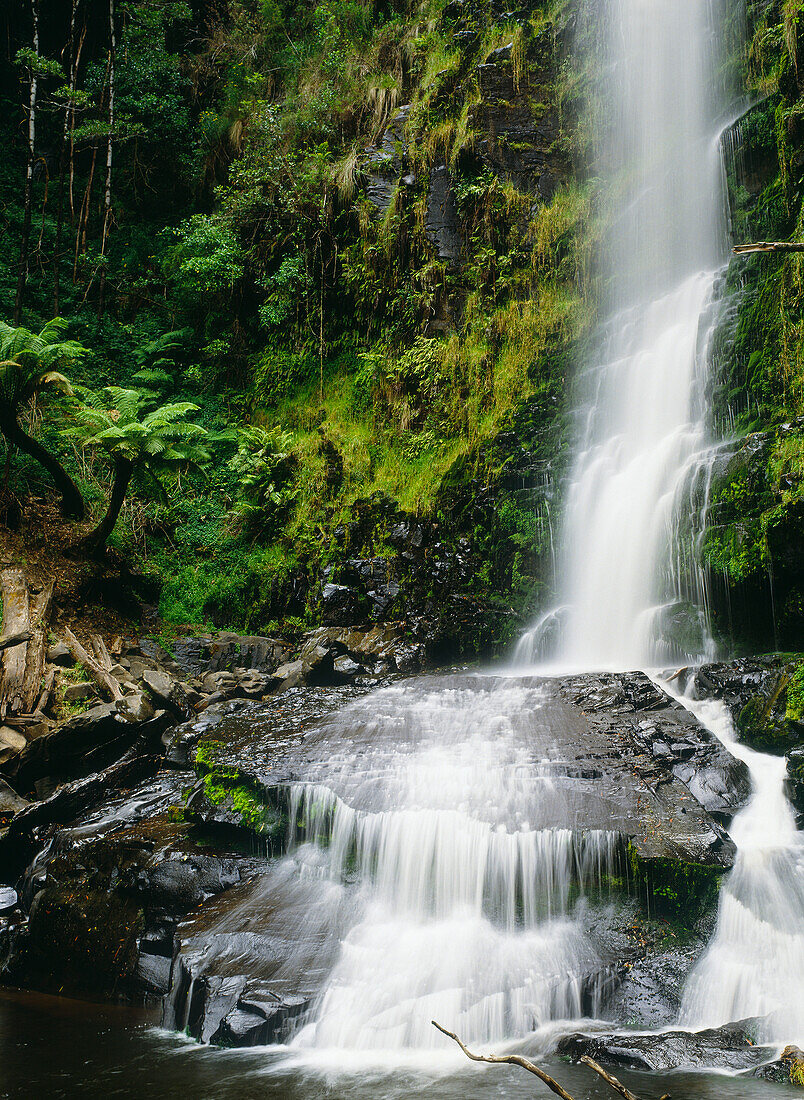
[768, 246]
[510, 1060]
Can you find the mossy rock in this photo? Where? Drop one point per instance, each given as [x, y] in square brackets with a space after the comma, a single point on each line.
[772, 721]
[230, 798]
[675, 889]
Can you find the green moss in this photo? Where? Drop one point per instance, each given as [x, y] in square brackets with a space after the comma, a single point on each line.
[674, 888]
[225, 785]
[794, 711]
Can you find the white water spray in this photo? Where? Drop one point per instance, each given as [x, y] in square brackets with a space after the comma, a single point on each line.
[754, 965]
[626, 569]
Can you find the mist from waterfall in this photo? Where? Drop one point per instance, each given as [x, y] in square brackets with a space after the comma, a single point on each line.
[630, 592]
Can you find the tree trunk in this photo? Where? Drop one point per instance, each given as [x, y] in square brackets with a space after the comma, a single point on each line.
[102, 678]
[16, 621]
[123, 470]
[72, 503]
[41, 604]
[107, 192]
[22, 275]
[66, 140]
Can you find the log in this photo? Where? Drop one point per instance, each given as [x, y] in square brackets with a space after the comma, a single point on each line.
[510, 1060]
[16, 621]
[47, 691]
[768, 246]
[15, 639]
[101, 677]
[40, 609]
[101, 652]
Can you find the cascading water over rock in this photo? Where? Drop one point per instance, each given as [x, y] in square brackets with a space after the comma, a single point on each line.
[466, 896]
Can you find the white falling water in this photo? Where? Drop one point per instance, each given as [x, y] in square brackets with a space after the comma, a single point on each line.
[467, 906]
[624, 566]
[754, 965]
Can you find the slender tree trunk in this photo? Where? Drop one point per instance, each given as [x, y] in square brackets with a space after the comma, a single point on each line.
[123, 470]
[72, 503]
[66, 135]
[28, 195]
[107, 193]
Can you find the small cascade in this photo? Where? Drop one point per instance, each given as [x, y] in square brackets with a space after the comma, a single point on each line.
[467, 907]
[754, 965]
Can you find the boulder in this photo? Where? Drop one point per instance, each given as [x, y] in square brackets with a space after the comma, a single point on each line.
[8, 899]
[291, 674]
[787, 1069]
[346, 667]
[77, 693]
[12, 744]
[220, 683]
[153, 971]
[254, 684]
[728, 1047]
[10, 801]
[168, 692]
[60, 654]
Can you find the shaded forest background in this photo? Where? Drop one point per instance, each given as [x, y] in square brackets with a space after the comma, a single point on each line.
[353, 243]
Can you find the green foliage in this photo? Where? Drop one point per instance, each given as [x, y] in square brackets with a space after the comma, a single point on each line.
[205, 262]
[114, 421]
[264, 468]
[31, 361]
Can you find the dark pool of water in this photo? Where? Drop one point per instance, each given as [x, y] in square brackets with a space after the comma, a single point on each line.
[51, 1047]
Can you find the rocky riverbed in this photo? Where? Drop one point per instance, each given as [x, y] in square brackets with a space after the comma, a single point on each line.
[144, 844]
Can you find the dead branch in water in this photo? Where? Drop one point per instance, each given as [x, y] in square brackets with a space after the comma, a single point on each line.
[531, 1067]
[508, 1059]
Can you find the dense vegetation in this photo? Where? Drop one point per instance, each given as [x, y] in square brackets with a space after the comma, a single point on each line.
[349, 242]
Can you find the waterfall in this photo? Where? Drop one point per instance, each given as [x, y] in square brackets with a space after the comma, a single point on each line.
[443, 814]
[630, 592]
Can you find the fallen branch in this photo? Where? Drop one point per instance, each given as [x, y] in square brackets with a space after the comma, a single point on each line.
[47, 691]
[531, 1067]
[768, 246]
[618, 1086]
[510, 1060]
[98, 674]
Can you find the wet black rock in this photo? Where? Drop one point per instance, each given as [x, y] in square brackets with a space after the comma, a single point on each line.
[728, 1047]
[87, 743]
[755, 691]
[442, 221]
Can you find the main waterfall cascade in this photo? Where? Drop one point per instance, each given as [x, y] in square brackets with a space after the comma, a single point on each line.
[638, 483]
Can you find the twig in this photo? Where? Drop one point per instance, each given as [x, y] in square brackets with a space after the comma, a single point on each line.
[508, 1059]
[525, 1063]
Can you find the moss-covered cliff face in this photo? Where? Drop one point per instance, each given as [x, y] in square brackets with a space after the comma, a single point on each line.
[754, 544]
[418, 281]
[376, 277]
